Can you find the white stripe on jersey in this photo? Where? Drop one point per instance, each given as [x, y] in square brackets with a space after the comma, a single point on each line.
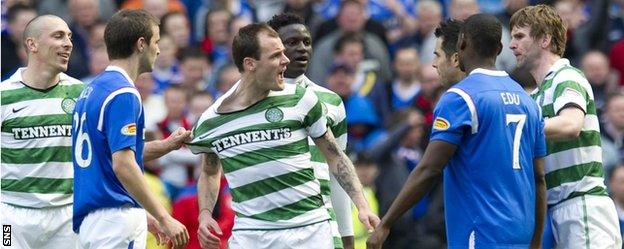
[574, 156]
[9, 142]
[562, 191]
[474, 119]
[277, 199]
[266, 170]
[110, 97]
[41, 170]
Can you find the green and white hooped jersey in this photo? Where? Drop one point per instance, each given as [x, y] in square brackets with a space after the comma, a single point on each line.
[265, 157]
[573, 167]
[337, 122]
[37, 170]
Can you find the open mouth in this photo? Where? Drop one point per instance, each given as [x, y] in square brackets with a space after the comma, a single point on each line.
[64, 55]
[302, 59]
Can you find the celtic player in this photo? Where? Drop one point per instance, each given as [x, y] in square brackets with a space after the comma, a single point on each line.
[583, 215]
[36, 107]
[298, 44]
[257, 134]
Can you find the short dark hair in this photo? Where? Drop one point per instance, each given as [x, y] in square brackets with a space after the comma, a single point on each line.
[449, 32]
[348, 37]
[246, 43]
[124, 29]
[285, 19]
[16, 9]
[484, 31]
[213, 11]
[193, 52]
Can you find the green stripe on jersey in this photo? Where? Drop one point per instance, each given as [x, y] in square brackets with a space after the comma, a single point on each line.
[340, 128]
[283, 101]
[37, 155]
[573, 174]
[313, 115]
[329, 98]
[263, 155]
[271, 185]
[290, 211]
[39, 185]
[26, 93]
[572, 85]
[31, 121]
[316, 155]
[585, 139]
[325, 190]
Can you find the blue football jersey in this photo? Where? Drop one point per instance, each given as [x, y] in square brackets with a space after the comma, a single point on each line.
[108, 117]
[489, 186]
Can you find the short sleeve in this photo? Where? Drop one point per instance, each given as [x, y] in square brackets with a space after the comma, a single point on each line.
[315, 122]
[569, 91]
[540, 140]
[121, 118]
[200, 135]
[453, 117]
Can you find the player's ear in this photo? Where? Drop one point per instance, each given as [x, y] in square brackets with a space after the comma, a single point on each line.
[461, 42]
[455, 60]
[140, 44]
[249, 64]
[31, 44]
[545, 41]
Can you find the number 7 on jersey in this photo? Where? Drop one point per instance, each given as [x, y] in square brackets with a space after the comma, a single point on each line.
[520, 119]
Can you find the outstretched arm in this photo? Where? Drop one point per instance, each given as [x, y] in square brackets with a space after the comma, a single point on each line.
[540, 202]
[419, 183]
[207, 193]
[342, 168]
[158, 148]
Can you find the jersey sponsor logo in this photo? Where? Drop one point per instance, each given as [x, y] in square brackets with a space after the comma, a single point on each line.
[129, 129]
[18, 109]
[251, 137]
[68, 105]
[42, 131]
[274, 114]
[441, 124]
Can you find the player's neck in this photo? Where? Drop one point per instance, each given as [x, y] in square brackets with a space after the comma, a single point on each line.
[471, 65]
[543, 66]
[248, 92]
[129, 65]
[38, 76]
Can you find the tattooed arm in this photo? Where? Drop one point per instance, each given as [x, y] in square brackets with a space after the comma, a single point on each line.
[207, 193]
[342, 168]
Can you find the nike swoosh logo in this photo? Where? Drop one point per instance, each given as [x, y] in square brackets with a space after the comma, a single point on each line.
[17, 110]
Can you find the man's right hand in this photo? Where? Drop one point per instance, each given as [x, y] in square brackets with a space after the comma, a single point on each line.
[207, 240]
[177, 233]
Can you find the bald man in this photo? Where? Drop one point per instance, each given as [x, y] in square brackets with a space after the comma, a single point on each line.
[36, 113]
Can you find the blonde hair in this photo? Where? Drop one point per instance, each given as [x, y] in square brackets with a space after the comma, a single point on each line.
[543, 20]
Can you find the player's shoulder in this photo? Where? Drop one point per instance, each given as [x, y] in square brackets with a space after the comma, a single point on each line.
[13, 82]
[68, 80]
[564, 72]
[325, 95]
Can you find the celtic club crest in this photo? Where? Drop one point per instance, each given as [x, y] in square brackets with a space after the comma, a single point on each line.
[68, 105]
[274, 114]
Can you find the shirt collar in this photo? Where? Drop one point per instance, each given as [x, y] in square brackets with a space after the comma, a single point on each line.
[121, 71]
[301, 79]
[489, 72]
[17, 76]
[563, 62]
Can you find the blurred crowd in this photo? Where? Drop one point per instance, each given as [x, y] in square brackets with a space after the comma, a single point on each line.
[375, 54]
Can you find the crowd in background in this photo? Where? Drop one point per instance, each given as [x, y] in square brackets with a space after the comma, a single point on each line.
[375, 54]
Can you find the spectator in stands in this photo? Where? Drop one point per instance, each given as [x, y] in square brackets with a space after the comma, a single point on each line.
[85, 15]
[99, 62]
[401, 92]
[511, 6]
[613, 122]
[616, 57]
[595, 66]
[227, 76]
[176, 166]
[194, 68]
[397, 155]
[153, 104]
[217, 41]
[367, 171]
[176, 25]
[158, 8]
[200, 101]
[17, 17]
[429, 83]
[166, 68]
[186, 210]
[351, 19]
[616, 189]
